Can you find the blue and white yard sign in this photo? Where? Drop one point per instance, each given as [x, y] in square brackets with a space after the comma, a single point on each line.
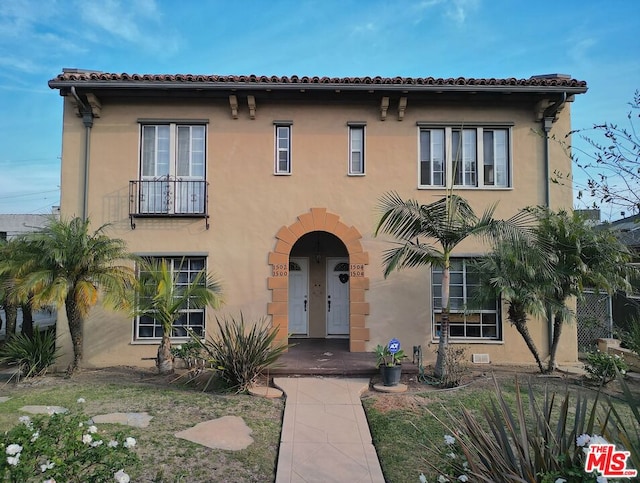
[394, 346]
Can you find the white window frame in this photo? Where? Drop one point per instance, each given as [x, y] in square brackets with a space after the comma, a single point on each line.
[176, 261]
[478, 170]
[285, 127]
[461, 315]
[358, 149]
[171, 174]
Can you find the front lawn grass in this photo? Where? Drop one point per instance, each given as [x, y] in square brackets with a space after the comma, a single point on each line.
[164, 458]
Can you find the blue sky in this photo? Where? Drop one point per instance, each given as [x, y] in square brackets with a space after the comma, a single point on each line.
[596, 41]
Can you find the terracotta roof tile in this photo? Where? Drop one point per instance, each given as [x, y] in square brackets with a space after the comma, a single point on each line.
[259, 80]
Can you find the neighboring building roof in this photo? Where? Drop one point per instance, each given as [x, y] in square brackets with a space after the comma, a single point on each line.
[627, 230]
[17, 224]
[94, 79]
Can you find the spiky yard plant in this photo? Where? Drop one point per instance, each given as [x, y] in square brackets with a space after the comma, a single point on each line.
[32, 355]
[239, 354]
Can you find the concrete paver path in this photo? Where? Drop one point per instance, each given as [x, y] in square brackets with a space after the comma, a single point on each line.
[325, 435]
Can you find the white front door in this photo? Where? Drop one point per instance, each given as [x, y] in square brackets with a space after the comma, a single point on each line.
[299, 296]
[337, 296]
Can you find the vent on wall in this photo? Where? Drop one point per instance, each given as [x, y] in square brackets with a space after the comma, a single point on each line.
[480, 358]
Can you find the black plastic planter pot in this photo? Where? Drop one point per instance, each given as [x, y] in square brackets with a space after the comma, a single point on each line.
[390, 375]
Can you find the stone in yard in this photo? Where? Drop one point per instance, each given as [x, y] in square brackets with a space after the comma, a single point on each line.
[228, 432]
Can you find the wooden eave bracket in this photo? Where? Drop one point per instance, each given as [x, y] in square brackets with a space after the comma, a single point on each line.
[384, 106]
[233, 104]
[251, 101]
[95, 104]
[402, 106]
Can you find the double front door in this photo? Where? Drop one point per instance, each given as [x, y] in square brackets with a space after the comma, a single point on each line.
[334, 297]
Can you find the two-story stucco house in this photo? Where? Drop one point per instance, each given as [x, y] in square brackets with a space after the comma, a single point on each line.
[272, 183]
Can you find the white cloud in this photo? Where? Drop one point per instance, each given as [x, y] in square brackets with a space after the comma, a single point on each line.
[458, 10]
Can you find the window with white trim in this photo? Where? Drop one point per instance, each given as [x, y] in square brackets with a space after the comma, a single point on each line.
[172, 169]
[464, 157]
[184, 271]
[283, 149]
[468, 319]
[356, 149]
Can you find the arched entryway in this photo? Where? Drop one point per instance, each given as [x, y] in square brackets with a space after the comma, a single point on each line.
[319, 243]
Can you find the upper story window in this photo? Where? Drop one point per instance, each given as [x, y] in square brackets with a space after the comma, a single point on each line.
[467, 319]
[172, 169]
[476, 157]
[283, 148]
[356, 148]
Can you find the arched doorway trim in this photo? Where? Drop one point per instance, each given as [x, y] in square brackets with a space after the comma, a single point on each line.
[319, 219]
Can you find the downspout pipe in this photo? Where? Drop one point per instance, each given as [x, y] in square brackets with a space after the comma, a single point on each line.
[548, 118]
[87, 120]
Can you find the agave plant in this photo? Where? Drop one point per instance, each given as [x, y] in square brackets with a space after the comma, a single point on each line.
[240, 354]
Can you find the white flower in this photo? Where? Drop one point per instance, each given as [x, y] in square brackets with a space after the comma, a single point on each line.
[583, 440]
[47, 466]
[465, 465]
[25, 420]
[449, 439]
[92, 429]
[129, 442]
[80, 424]
[601, 479]
[14, 460]
[463, 478]
[51, 480]
[112, 444]
[121, 477]
[95, 444]
[86, 438]
[81, 400]
[442, 479]
[35, 436]
[452, 455]
[560, 480]
[623, 372]
[423, 479]
[13, 449]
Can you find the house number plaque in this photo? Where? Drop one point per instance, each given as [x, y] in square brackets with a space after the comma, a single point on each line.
[357, 270]
[281, 270]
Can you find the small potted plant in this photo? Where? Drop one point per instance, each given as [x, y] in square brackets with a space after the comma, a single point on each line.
[388, 359]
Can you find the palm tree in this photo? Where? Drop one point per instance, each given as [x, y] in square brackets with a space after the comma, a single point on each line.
[583, 257]
[520, 278]
[8, 252]
[160, 295]
[429, 234]
[66, 264]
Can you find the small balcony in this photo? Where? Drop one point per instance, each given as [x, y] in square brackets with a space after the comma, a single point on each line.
[168, 198]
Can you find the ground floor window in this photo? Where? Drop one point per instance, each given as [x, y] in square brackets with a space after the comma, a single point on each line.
[469, 319]
[185, 270]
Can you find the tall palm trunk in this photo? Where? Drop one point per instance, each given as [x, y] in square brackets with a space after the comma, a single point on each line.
[518, 317]
[76, 326]
[441, 369]
[11, 313]
[164, 361]
[558, 320]
[27, 320]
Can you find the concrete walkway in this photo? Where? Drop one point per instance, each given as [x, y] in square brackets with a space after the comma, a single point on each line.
[325, 434]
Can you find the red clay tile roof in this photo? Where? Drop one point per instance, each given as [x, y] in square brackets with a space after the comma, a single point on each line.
[100, 78]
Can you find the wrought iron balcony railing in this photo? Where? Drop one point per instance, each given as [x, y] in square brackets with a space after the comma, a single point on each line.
[168, 197]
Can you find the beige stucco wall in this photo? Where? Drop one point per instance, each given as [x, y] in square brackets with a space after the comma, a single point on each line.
[248, 205]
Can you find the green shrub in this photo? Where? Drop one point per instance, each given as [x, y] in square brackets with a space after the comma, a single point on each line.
[602, 366]
[630, 339]
[190, 352]
[239, 354]
[64, 447]
[33, 355]
[534, 441]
